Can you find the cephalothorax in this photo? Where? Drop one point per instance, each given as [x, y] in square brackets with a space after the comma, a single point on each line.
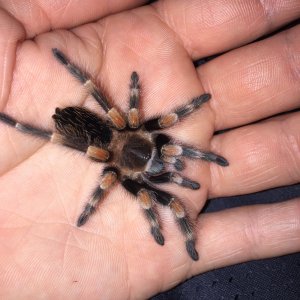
[137, 155]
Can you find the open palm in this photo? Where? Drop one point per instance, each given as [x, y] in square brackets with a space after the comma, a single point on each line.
[43, 187]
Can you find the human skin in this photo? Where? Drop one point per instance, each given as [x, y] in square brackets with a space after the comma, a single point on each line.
[43, 187]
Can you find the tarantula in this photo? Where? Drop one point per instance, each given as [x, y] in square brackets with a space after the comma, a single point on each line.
[136, 154]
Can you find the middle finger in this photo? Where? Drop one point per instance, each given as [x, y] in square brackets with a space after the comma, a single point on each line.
[255, 81]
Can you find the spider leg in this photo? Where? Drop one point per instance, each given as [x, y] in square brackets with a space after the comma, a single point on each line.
[160, 140]
[176, 207]
[145, 198]
[173, 150]
[133, 114]
[175, 178]
[185, 226]
[176, 162]
[113, 114]
[109, 177]
[178, 114]
[25, 128]
[93, 152]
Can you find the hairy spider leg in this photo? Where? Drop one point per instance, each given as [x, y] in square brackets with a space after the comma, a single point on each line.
[173, 150]
[176, 162]
[174, 177]
[185, 226]
[145, 198]
[109, 177]
[113, 114]
[25, 128]
[179, 113]
[95, 153]
[160, 140]
[133, 113]
[176, 207]
[169, 151]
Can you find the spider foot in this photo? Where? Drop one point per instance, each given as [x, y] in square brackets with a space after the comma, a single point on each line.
[157, 236]
[190, 248]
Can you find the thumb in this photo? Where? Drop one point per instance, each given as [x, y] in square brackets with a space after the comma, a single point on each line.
[11, 32]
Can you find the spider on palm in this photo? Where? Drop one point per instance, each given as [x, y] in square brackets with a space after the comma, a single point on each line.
[137, 155]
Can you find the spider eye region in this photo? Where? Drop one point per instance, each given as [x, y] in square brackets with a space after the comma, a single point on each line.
[136, 153]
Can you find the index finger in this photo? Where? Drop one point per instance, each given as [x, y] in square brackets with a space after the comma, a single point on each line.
[41, 16]
[207, 27]
[255, 81]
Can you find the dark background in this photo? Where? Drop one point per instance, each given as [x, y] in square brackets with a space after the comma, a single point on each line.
[275, 278]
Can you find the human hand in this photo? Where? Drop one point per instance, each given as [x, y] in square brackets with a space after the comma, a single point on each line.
[43, 187]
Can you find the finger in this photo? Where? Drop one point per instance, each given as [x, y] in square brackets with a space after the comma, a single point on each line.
[248, 233]
[261, 156]
[255, 81]
[11, 33]
[209, 27]
[42, 16]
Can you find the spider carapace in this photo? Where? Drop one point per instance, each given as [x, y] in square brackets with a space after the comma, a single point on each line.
[135, 152]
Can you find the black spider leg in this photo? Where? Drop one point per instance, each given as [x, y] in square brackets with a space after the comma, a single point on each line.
[174, 178]
[108, 178]
[25, 128]
[177, 208]
[160, 140]
[179, 113]
[113, 114]
[177, 163]
[170, 151]
[174, 150]
[146, 198]
[133, 114]
[93, 152]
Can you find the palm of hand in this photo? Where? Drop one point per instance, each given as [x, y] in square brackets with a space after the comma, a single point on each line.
[53, 183]
[44, 186]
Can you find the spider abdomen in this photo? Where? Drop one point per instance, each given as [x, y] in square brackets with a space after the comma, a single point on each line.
[81, 127]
